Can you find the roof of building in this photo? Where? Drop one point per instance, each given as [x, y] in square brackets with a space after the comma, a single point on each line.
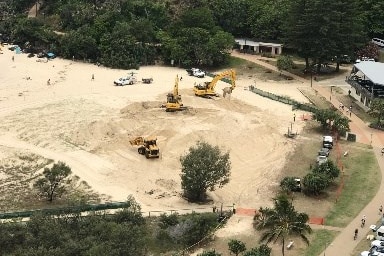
[374, 71]
[242, 41]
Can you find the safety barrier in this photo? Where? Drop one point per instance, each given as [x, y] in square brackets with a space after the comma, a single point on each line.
[283, 99]
[69, 209]
[106, 207]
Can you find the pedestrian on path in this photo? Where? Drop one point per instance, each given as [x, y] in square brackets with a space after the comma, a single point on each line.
[49, 82]
[93, 77]
[382, 153]
[13, 58]
[294, 117]
[381, 207]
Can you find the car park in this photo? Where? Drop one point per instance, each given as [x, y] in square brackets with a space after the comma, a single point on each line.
[324, 152]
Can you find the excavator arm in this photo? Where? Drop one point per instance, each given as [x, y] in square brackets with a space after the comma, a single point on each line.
[208, 89]
[228, 73]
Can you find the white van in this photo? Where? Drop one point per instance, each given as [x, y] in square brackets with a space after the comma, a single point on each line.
[380, 233]
[327, 142]
[379, 42]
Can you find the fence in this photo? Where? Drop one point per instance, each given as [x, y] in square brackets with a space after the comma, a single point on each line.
[283, 99]
[108, 208]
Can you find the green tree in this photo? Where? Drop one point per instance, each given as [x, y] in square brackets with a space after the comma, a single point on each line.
[204, 167]
[230, 14]
[236, 247]
[284, 62]
[262, 250]
[322, 29]
[281, 222]
[373, 16]
[332, 120]
[54, 182]
[328, 168]
[315, 183]
[266, 18]
[288, 184]
[192, 228]
[371, 50]
[376, 109]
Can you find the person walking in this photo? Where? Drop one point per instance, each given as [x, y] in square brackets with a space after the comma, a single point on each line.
[294, 117]
[382, 153]
[93, 77]
[13, 58]
[49, 82]
[381, 207]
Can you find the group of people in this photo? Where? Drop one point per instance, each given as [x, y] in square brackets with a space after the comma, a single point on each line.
[349, 110]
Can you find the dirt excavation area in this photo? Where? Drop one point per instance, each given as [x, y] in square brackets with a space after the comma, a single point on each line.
[88, 125]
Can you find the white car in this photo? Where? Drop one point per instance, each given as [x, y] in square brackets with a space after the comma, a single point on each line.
[377, 243]
[196, 72]
[374, 251]
[125, 80]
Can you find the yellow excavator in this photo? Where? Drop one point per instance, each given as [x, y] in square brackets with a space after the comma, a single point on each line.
[174, 102]
[207, 90]
[147, 146]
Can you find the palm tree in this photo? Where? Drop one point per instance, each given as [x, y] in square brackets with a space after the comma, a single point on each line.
[281, 222]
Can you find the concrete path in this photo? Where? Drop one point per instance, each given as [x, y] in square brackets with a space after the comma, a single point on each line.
[344, 243]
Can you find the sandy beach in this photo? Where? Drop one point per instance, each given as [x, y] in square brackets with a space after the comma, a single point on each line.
[88, 124]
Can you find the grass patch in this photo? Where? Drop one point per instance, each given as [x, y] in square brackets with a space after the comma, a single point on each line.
[250, 69]
[319, 240]
[356, 109]
[316, 99]
[361, 173]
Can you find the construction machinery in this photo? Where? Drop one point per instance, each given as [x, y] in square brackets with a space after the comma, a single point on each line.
[174, 102]
[207, 89]
[147, 146]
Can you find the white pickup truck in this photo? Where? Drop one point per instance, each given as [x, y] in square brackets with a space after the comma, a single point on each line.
[196, 72]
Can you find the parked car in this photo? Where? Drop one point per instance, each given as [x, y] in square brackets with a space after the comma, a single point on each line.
[377, 243]
[324, 152]
[327, 142]
[374, 251]
[321, 160]
[196, 72]
[125, 80]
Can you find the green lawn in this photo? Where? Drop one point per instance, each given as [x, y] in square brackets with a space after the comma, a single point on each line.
[362, 178]
[319, 240]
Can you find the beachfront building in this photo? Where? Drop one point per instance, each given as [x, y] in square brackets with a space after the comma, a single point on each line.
[367, 79]
[250, 46]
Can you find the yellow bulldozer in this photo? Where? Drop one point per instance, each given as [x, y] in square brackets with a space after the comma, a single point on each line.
[207, 90]
[147, 146]
[174, 102]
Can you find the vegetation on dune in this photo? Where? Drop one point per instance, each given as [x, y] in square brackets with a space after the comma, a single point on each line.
[127, 34]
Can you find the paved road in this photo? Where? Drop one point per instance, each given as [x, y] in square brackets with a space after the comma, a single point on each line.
[344, 241]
